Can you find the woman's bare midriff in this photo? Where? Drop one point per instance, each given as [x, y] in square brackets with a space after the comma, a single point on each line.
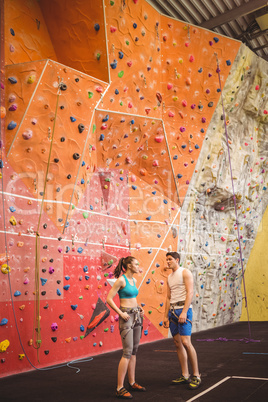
[131, 303]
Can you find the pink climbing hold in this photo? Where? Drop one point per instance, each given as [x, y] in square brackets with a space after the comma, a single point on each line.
[182, 129]
[169, 86]
[113, 29]
[130, 105]
[159, 138]
[155, 163]
[99, 89]
[104, 126]
[223, 238]
[257, 87]
[129, 63]
[184, 103]
[171, 114]
[191, 58]
[133, 178]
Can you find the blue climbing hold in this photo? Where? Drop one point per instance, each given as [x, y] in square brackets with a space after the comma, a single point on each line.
[83, 163]
[153, 192]
[158, 236]
[101, 137]
[87, 277]
[4, 321]
[82, 328]
[228, 62]
[12, 80]
[85, 268]
[161, 324]
[114, 64]
[202, 130]
[120, 55]
[97, 27]
[145, 332]
[157, 265]
[67, 277]
[12, 125]
[148, 281]
[134, 187]
[218, 90]
[183, 146]
[200, 70]
[80, 250]
[175, 157]
[12, 209]
[121, 178]
[82, 181]
[73, 119]
[142, 304]
[135, 25]
[132, 122]
[216, 40]
[106, 118]
[91, 208]
[17, 293]
[58, 292]
[12, 31]
[66, 287]
[74, 306]
[196, 146]
[116, 92]
[148, 218]
[43, 281]
[179, 175]
[165, 201]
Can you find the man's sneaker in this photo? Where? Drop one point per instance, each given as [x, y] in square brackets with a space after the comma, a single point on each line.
[181, 380]
[195, 382]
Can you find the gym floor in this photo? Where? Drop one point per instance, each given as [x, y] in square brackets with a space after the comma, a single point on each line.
[233, 370]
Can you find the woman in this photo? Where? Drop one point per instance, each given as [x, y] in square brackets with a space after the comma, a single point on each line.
[130, 322]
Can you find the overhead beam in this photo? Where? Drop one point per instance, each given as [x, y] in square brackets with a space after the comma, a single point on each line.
[255, 49]
[231, 15]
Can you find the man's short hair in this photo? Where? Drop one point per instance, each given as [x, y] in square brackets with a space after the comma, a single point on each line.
[174, 255]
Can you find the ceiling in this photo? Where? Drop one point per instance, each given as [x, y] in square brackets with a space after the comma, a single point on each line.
[245, 20]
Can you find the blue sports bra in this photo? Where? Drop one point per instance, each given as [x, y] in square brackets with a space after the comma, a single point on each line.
[129, 291]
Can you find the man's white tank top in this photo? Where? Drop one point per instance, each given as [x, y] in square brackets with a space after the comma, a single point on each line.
[177, 286]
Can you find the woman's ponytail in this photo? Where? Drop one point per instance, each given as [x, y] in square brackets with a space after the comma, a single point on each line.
[122, 265]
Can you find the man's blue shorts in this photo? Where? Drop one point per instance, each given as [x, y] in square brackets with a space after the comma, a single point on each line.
[176, 327]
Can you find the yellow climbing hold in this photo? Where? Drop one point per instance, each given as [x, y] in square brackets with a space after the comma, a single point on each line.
[4, 345]
[5, 269]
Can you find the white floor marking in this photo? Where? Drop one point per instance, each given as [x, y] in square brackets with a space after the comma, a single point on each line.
[223, 380]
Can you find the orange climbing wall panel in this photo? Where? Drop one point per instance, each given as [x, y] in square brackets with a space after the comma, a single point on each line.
[77, 31]
[66, 115]
[26, 34]
[190, 88]
[134, 59]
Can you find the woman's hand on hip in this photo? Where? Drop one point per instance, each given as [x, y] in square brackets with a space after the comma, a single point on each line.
[125, 316]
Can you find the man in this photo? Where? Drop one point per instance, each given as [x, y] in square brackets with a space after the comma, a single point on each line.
[178, 317]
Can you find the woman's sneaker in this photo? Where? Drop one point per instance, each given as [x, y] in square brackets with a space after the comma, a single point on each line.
[195, 382]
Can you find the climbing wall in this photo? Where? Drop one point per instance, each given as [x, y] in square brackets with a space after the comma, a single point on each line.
[113, 145]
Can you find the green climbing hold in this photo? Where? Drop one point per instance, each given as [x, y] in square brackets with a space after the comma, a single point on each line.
[150, 311]
[98, 56]
[90, 95]
[127, 42]
[94, 128]
[85, 215]
[106, 330]
[120, 74]
[112, 3]
[82, 336]
[73, 206]
[121, 103]
[105, 275]
[81, 297]
[107, 179]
